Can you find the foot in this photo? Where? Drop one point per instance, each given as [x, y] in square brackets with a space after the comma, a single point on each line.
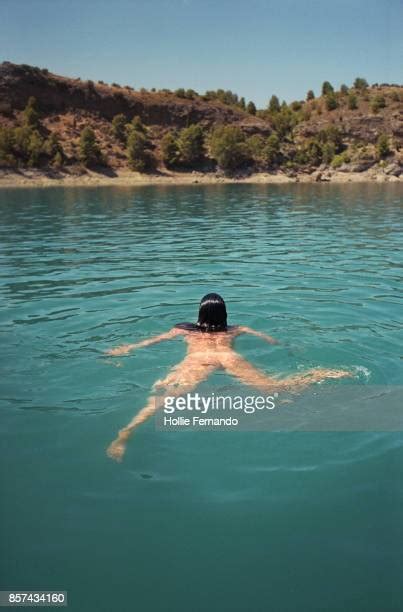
[116, 450]
[339, 374]
[322, 374]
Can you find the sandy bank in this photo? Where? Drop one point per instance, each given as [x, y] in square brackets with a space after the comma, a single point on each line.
[35, 178]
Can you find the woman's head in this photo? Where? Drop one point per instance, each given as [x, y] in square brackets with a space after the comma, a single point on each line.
[212, 313]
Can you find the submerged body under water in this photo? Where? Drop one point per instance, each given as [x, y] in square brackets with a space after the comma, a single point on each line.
[203, 521]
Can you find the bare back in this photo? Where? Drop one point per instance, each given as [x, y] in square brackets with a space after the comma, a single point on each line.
[214, 346]
[209, 351]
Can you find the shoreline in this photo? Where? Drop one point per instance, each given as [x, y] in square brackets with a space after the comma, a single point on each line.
[34, 178]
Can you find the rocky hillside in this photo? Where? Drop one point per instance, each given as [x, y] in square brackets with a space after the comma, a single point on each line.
[43, 116]
[60, 95]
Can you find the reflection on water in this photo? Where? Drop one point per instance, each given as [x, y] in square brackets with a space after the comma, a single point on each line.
[203, 521]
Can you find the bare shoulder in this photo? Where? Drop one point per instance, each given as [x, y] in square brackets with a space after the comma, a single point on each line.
[236, 330]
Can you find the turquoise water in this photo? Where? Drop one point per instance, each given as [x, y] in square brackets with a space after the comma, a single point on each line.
[196, 521]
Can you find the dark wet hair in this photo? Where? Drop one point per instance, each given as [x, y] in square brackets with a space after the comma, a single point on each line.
[212, 313]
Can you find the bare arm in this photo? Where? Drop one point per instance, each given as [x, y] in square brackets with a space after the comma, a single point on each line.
[124, 349]
[248, 330]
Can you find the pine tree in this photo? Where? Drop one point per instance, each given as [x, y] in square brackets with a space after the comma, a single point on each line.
[228, 147]
[327, 88]
[119, 123]
[382, 146]
[58, 160]
[191, 145]
[331, 101]
[251, 108]
[377, 103]
[352, 101]
[274, 104]
[137, 125]
[90, 153]
[35, 148]
[169, 148]
[31, 114]
[360, 83]
[52, 145]
[7, 157]
[138, 153]
[271, 151]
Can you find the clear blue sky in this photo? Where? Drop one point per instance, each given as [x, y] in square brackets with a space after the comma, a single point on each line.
[254, 47]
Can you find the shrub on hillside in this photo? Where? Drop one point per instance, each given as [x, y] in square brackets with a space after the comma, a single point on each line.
[327, 88]
[139, 154]
[251, 108]
[227, 97]
[256, 144]
[25, 146]
[180, 93]
[274, 104]
[52, 146]
[58, 160]
[191, 145]
[271, 151]
[328, 152]
[35, 148]
[7, 156]
[191, 94]
[227, 146]
[284, 121]
[331, 135]
[313, 152]
[264, 151]
[331, 102]
[352, 102]
[382, 146]
[137, 125]
[169, 149]
[31, 114]
[360, 83]
[377, 103]
[119, 123]
[339, 160]
[296, 105]
[89, 150]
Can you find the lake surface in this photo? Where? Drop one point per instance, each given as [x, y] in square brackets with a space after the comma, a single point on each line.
[194, 521]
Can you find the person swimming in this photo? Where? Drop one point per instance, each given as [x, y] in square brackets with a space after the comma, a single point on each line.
[209, 348]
